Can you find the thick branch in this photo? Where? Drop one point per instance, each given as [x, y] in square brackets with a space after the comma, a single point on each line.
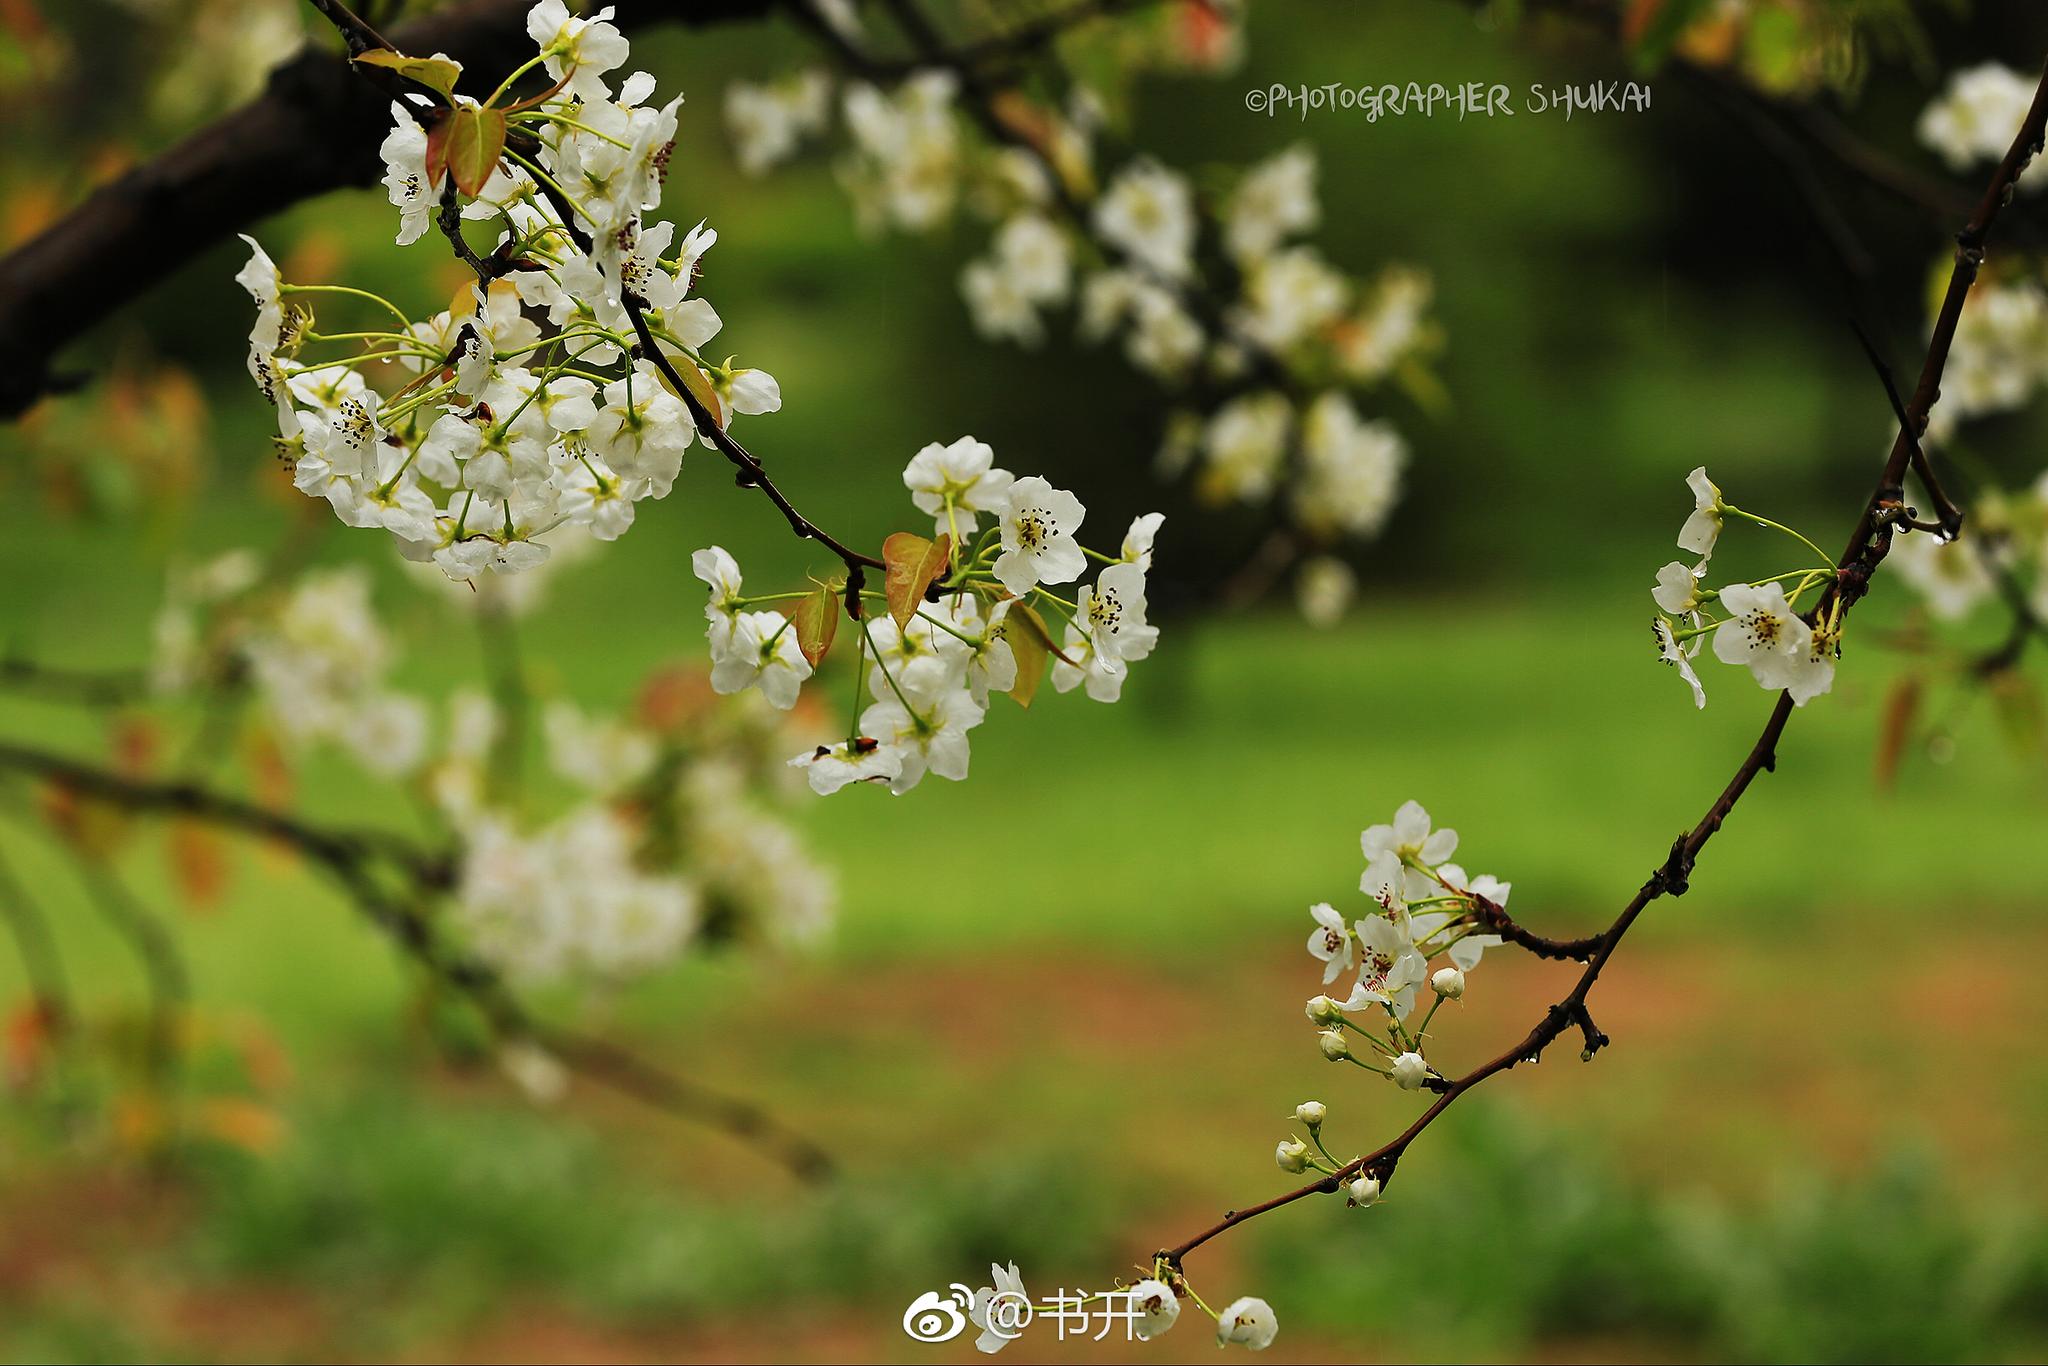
[315, 128]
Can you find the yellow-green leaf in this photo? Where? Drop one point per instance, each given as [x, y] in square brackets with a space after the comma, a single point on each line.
[910, 563]
[1028, 647]
[817, 622]
[436, 73]
[1031, 642]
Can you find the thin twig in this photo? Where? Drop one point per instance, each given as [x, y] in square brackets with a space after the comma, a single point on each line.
[84, 687]
[1859, 561]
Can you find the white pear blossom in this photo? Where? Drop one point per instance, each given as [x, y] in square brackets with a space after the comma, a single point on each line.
[1362, 1191]
[1112, 611]
[1680, 657]
[1390, 967]
[1353, 468]
[388, 734]
[998, 303]
[1678, 589]
[580, 50]
[956, 483]
[1275, 200]
[1324, 588]
[1036, 256]
[1288, 296]
[926, 728]
[1148, 212]
[760, 650]
[1244, 444]
[1137, 547]
[1974, 119]
[1703, 527]
[1247, 1322]
[999, 1310]
[721, 574]
[831, 767]
[768, 122]
[1764, 633]
[600, 754]
[1330, 941]
[1389, 327]
[405, 176]
[1038, 526]
[1409, 839]
[1155, 1308]
[1409, 1071]
[1950, 576]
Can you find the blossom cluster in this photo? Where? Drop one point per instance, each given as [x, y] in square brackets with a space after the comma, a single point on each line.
[532, 402]
[969, 612]
[1972, 122]
[644, 854]
[1424, 909]
[1265, 341]
[1756, 623]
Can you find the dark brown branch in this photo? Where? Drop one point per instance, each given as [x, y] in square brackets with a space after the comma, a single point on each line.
[315, 128]
[349, 858]
[430, 868]
[1859, 561]
[1495, 918]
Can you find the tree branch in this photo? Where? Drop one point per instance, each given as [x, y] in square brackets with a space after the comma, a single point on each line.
[315, 128]
[1859, 561]
[349, 858]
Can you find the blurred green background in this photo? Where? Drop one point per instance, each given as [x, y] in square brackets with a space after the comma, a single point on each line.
[1059, 1021]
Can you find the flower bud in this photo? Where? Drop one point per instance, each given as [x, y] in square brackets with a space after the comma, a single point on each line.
[1323, 1011]
[1156, 1307]
[1334, 1045]
[1364, 1190]
[1410, 1071]
[1292, 1156]
[1448, 983]
[1312, 1113]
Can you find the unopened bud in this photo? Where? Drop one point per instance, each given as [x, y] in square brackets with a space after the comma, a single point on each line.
[1363, 1191]
[1334, 1045]
[1312, 1113]
[1448, 983]
[1410, 1071]
[1322, 1010]
[1292, 1156]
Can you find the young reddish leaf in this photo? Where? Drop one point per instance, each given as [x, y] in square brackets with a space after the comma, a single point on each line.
[437, 150]
[910, 563]
[1901, 707]
[436, 73]
[467, 144]
[817, 622]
